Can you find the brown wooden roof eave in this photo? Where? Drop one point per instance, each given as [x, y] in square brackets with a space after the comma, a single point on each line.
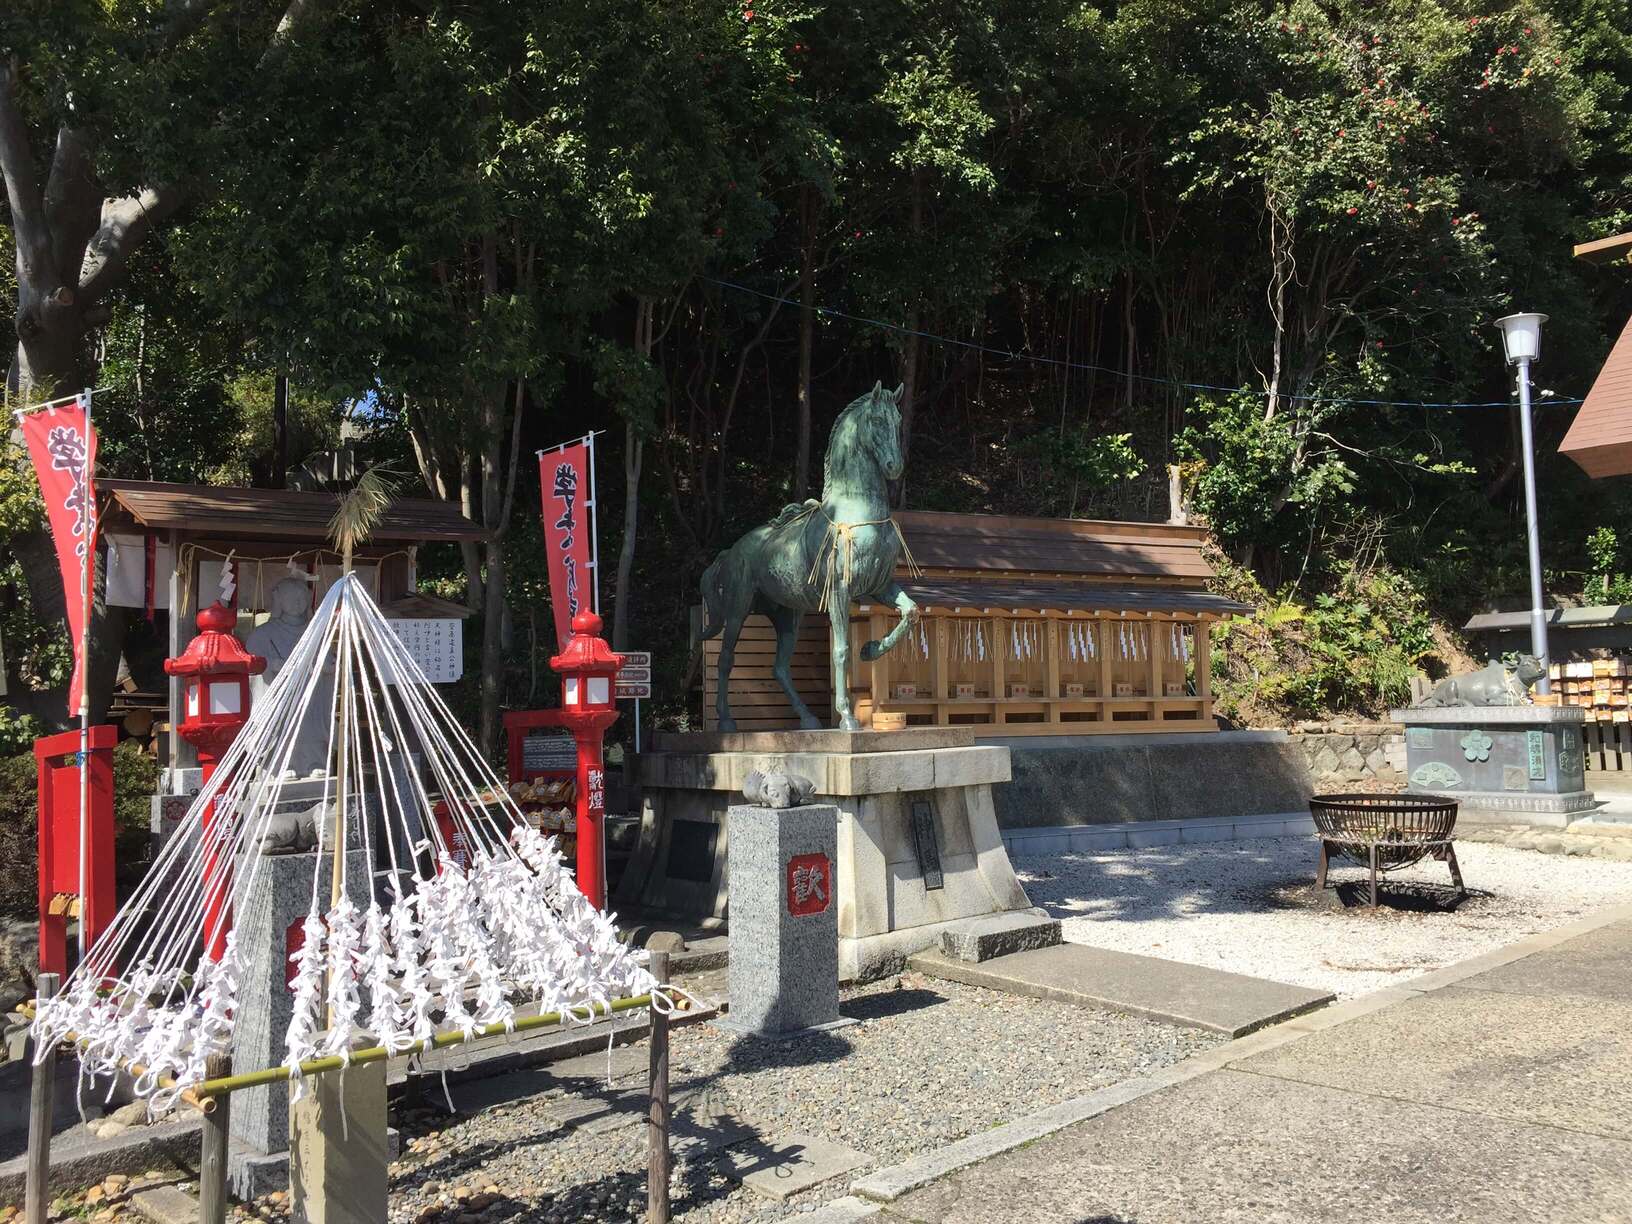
[1610, 250]
[236, 512]
[1599, 440]
[989, 543]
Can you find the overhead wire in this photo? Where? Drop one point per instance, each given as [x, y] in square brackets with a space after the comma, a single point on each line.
[1089, 367]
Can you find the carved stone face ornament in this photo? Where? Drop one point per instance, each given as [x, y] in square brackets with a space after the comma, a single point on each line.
[774, 789]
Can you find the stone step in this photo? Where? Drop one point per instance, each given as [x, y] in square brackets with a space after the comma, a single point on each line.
[1191, 996]
[983, 939]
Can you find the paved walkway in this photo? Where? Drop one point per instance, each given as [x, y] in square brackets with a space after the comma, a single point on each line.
[1499, 1089]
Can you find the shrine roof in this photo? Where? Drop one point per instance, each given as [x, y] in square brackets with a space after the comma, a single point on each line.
[1599, 440]
[234, 512]
[991, 543]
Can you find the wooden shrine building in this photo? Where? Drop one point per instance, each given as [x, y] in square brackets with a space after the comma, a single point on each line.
[1030, 627]
[167, 545]
[1599, 440]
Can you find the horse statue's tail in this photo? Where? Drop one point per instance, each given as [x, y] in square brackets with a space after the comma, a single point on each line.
[713, 599]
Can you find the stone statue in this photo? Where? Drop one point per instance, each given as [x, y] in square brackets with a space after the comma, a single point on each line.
[818, 557]
[291, 609]
[1492, 685]
[775, 789]
[290, 832]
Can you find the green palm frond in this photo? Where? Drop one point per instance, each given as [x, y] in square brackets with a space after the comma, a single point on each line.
[360, 510]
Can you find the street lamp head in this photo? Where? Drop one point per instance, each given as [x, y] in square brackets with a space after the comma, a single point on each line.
[1521, 337]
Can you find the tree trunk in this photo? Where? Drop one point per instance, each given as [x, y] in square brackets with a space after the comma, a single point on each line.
[280, 431]
[634, 448]
[909, 350]
[491, 461]
[807, 335]
[492, 647]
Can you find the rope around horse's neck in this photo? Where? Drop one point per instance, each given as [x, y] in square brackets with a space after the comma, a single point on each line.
[843, 534]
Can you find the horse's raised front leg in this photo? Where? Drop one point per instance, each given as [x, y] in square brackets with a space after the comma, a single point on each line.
[838, 619]
[722, 674]
[786, 621]
[909, 617]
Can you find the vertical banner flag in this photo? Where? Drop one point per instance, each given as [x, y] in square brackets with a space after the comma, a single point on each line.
[569, 532]
[62, 445]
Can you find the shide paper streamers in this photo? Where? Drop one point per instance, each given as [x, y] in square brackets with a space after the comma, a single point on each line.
[470, 913]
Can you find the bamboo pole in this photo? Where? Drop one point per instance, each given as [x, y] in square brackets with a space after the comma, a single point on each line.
[657, 1113]
[41, 1098]
[316, 1066]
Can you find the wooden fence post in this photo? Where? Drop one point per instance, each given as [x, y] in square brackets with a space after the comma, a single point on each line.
[657, 1116]
[212, 1163]
[37, 1196]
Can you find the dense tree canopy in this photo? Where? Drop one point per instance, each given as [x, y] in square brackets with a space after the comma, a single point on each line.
[1090, 239]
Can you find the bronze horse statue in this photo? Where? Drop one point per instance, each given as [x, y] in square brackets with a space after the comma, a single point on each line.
[819, 557]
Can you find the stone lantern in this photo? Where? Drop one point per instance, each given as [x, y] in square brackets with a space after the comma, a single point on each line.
[589, 671]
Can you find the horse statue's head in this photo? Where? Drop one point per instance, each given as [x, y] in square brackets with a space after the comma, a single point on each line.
[866, 441]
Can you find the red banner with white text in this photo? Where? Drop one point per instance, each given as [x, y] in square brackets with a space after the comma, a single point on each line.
[62, 445]
[569, 528]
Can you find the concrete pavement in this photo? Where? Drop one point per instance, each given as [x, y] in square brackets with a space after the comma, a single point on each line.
[1499, 1089]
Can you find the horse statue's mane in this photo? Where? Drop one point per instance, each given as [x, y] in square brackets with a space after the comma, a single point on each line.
[849, 446]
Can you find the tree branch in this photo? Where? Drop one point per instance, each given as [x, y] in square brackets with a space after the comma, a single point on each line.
[22, 186]
[126, 223]
[73, 202]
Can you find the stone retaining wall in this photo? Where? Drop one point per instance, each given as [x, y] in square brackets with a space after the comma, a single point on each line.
[1070, 781]
[1364, 756]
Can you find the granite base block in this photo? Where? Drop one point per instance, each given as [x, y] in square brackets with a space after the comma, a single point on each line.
[918, 843]
[784, 974]
[267, 928]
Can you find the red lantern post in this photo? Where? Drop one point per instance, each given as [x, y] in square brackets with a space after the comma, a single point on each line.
[588, 668]
[215, 669]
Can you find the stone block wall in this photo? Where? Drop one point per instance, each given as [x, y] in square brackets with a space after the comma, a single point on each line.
[1353, 756]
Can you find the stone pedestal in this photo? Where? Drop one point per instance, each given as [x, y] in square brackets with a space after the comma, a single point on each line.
[1506, 764]
[918, 850]
[268, 928]
[338, 1157]
[784, 973]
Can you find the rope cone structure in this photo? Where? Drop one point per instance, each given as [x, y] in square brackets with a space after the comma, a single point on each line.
[459, 929]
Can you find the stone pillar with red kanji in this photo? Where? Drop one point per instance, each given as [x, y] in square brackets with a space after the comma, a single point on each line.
[784, 969]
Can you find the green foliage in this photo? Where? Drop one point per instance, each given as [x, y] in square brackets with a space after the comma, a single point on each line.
[1108, 212]
[17, 732]
[1354, 649]
[1247, 465]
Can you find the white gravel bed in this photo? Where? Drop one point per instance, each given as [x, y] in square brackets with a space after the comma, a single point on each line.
[930, 1062]
[1249, 907]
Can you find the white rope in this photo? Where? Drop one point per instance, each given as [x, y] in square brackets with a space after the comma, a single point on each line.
[463, 925]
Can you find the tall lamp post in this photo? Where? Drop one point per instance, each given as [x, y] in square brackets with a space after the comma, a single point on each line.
[1521, 339]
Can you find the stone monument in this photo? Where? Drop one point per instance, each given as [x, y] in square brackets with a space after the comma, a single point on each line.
[784, 973]
[918, 848]
[918, 851]
[291, 609]
[1477, 738]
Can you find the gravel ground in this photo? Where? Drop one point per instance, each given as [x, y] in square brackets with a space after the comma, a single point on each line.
[1249, 907]
[929, 1062]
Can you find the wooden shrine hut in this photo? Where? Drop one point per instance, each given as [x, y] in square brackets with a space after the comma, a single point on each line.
[1599, 440]
[1030, 627]
[167, 544]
